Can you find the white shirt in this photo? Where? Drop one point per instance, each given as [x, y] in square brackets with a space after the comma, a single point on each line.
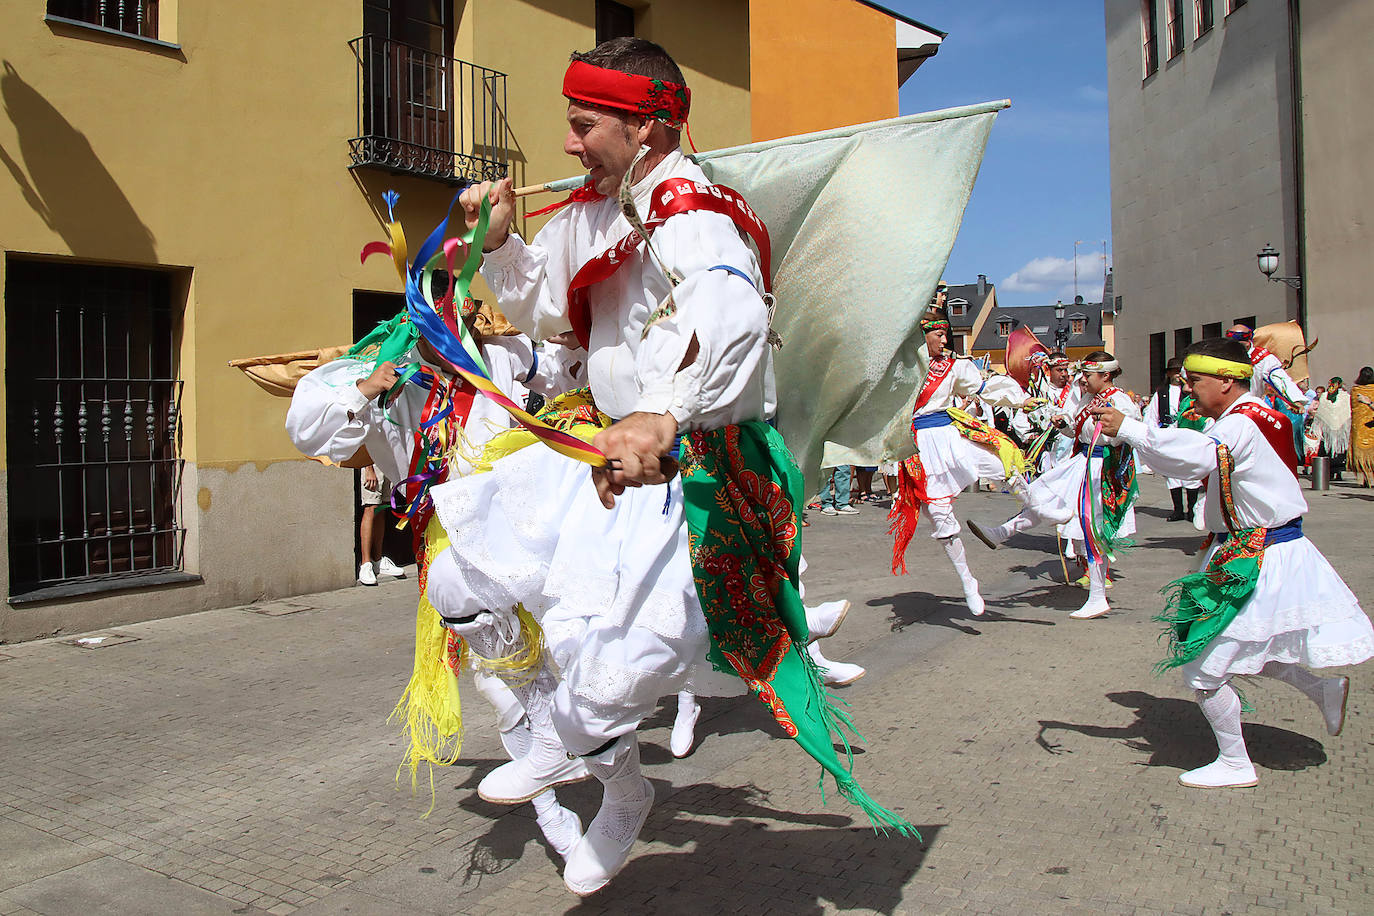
[631, 369]
[1264, 489]
[330, 417]
[964, 380]
[1270, 370]
[1079, 404]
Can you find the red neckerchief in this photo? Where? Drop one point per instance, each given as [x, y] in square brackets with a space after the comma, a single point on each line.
[1101, 399]
[939, 369]
[671, 197]
[1063, 395]
[1276, 429]
[1257, 354]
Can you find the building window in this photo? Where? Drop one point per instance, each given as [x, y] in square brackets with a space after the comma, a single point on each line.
[1003, 327]
[1233, 5]
[1149, 31]
[1175, 26]
[1202, 16]
[94, 405]
[1210, 330]
[1248, 321]
[134, 17]
[1182, 338]
[613, 20]
[958, 307]
[1157, 359]
[1078, 324]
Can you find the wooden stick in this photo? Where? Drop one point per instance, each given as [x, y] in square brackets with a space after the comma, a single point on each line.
[529, 189]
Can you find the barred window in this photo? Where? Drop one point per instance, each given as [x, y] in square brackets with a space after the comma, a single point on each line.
[1149, 37]
[134, 17]
[93, 404]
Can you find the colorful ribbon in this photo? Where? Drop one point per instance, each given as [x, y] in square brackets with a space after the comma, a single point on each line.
[440, 325]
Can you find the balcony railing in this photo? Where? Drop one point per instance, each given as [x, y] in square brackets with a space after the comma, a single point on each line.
[421, 113]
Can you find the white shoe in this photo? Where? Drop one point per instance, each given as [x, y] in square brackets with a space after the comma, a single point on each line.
[829, 510]
[987, 537]
[521, 780]
[834, 674]
[841, 674]
[1092, 608]
[605, 848]
[387, 568]
[1335, 693]
[563, 829]
[973, 599]
[684, 733]
[367, 575]
[1221, 774]
[824, 619]
[847, 510]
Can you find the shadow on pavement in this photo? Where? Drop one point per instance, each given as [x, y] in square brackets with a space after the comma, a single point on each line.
[1175, 734]
[748, 857]
[938, 610]
[1187, 544]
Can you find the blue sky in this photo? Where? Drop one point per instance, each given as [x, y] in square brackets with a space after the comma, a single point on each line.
[1044, 181]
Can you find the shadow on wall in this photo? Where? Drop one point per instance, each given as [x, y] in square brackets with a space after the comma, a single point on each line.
[64, 181]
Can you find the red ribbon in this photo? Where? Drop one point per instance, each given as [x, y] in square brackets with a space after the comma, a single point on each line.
[671, 197]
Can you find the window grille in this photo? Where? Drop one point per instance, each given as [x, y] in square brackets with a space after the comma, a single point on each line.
[94, 407]
[135, 17]
[1004, 329]
[1078, 326]
[613, 20]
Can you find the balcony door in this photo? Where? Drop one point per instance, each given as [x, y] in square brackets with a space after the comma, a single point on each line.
[408, 71]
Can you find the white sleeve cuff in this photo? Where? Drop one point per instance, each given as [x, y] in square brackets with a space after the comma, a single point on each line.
[506, 255]
[658, 399]
[352, 399]
[1133, 431]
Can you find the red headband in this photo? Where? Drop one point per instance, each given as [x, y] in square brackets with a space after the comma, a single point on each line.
[641, 95]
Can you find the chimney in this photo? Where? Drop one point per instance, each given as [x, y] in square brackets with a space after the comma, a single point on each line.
[982, 285]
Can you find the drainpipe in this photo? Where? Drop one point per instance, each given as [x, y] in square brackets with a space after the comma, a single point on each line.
[1295, 87]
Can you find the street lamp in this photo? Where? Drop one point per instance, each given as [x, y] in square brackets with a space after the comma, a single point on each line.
[1061, 333]
[1268, 260]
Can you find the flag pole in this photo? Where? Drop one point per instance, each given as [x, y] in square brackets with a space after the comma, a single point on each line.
[836, 133]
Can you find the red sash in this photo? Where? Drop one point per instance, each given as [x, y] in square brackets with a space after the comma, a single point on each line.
[934, 377]
[1104, 399]
[1276, 429]
[1063, 395]
[1257, 354]
[671, 197]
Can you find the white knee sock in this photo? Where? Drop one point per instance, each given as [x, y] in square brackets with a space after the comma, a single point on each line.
[1222, 709]
[620, 776]
[1300, 678]
[1014, 525]
[954, 549]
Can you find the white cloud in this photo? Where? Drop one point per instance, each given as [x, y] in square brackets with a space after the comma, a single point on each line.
[1053, 277]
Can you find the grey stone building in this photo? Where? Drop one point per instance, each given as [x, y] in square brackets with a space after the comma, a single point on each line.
[1202, 163]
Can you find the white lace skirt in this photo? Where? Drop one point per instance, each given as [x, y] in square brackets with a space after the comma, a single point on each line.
[952, 462]
[1301, 613]
[1053, 497]
[612, 589]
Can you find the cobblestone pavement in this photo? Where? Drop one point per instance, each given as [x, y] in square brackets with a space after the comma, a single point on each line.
[239, 761]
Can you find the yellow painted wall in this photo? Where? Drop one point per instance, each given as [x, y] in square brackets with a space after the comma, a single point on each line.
[816, 64]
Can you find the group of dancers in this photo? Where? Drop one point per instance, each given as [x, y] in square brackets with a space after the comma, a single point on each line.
[582, 592]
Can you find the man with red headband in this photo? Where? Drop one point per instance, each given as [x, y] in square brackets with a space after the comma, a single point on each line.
[1269, 370]
[644, 580]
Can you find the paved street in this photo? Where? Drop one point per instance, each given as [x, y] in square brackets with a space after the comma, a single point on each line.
[239, 761]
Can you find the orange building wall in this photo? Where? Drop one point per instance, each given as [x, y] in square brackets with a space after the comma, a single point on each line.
[816, 64]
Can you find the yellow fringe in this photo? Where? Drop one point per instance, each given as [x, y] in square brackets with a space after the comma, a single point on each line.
[429, 708]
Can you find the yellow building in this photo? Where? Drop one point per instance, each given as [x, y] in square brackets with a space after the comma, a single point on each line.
[188, 183]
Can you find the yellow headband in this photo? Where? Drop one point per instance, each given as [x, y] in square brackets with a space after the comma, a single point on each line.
[1215, 365]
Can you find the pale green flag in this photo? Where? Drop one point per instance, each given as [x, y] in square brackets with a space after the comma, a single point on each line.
[862, 220]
